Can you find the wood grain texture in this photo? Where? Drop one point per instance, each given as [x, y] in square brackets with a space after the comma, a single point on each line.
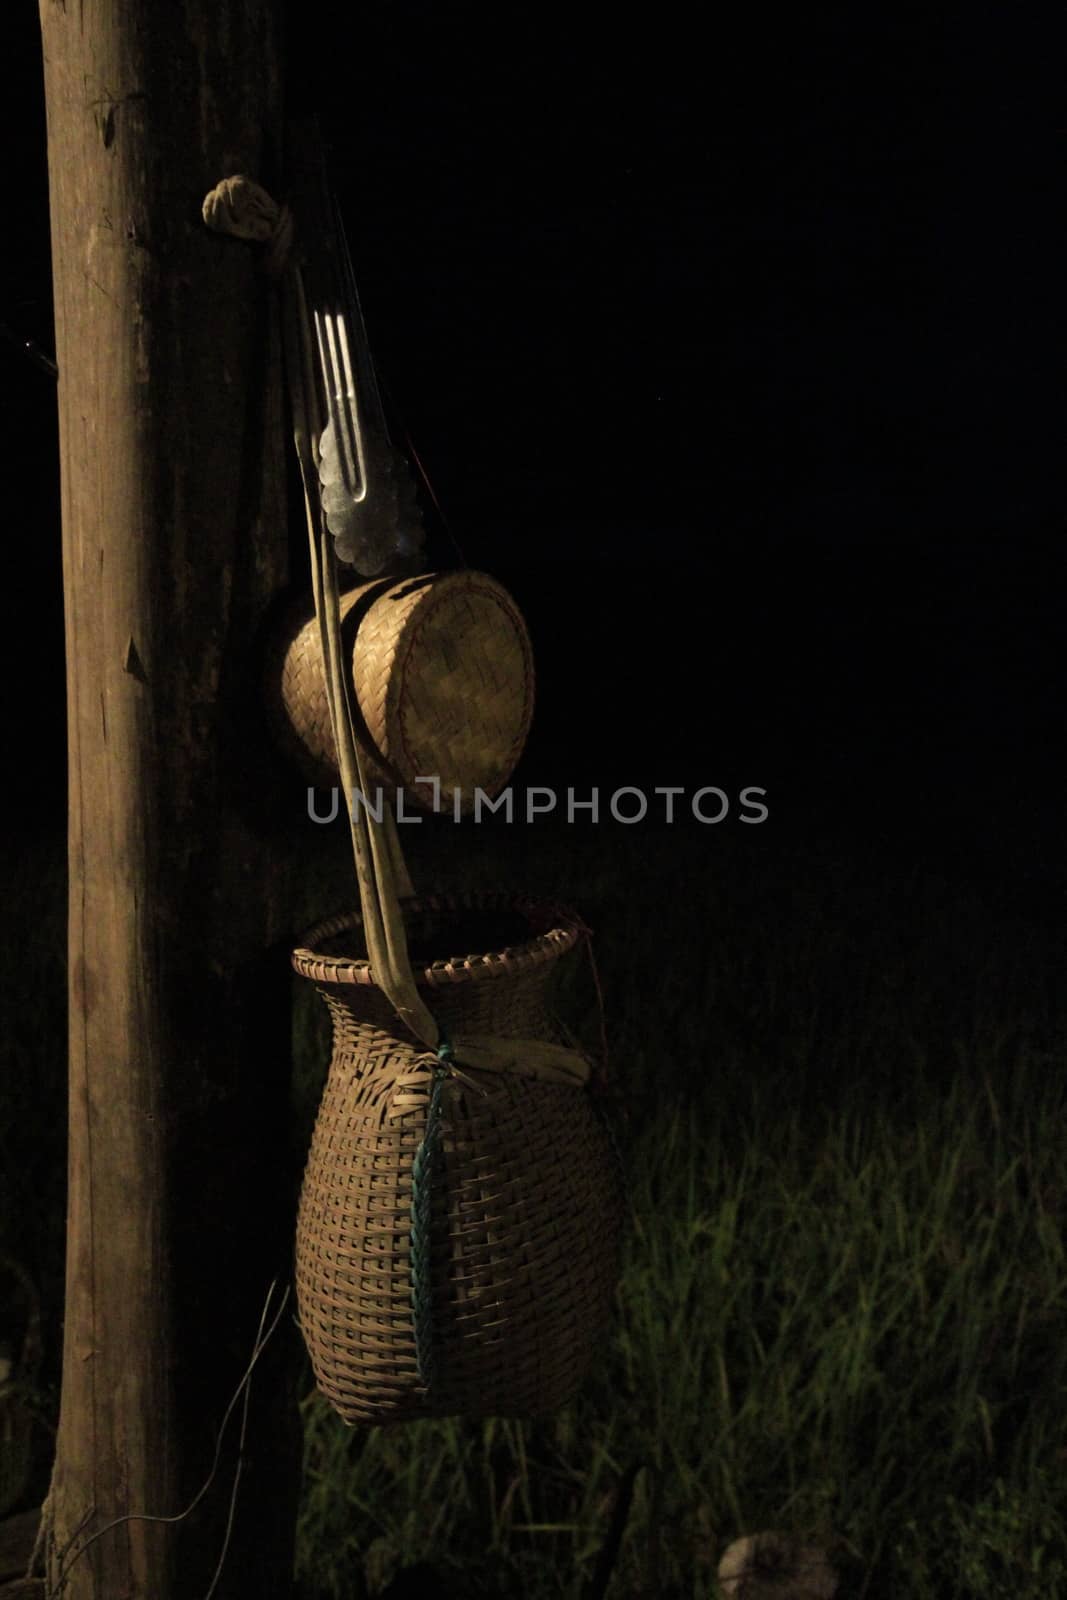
[174, 543]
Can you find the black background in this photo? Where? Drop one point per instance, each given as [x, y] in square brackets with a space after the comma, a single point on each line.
[732, 344]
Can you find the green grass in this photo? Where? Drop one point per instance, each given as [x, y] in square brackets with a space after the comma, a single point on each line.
[841, 1304]
[841, 1308]
[853, 1331]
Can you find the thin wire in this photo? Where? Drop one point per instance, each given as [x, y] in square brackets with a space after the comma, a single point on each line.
[247, 1382]
[409, 445]
[261, 1342]
[424, 475]
[603, 1075]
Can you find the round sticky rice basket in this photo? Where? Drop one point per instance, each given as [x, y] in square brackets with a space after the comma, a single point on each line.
[442, 682]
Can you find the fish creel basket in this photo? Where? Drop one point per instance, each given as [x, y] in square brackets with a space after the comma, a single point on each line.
[525, 1203]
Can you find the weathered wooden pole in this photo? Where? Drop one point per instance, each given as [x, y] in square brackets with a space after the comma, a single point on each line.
[174, 543]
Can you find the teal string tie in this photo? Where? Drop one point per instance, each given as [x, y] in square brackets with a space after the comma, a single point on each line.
[422, 1173]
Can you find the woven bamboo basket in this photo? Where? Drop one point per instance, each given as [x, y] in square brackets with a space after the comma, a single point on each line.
[525, 1206]
[443, 676]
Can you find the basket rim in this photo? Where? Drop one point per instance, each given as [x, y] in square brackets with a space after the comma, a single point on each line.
[565, 933]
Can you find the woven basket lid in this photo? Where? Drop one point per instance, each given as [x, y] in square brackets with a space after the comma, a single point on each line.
[443, 676]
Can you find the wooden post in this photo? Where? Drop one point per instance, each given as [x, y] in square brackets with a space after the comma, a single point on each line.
[174, 544]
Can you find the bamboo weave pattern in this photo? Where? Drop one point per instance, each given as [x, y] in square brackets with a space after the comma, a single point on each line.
[525, 1203]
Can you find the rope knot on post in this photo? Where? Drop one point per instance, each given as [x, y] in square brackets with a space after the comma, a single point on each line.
[243, 209]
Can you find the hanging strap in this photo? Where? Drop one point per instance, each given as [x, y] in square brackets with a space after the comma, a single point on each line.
[378, 860]
[242, 208]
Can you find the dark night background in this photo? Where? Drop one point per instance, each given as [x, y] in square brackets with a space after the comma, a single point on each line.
[731, 343]
[734, 351]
